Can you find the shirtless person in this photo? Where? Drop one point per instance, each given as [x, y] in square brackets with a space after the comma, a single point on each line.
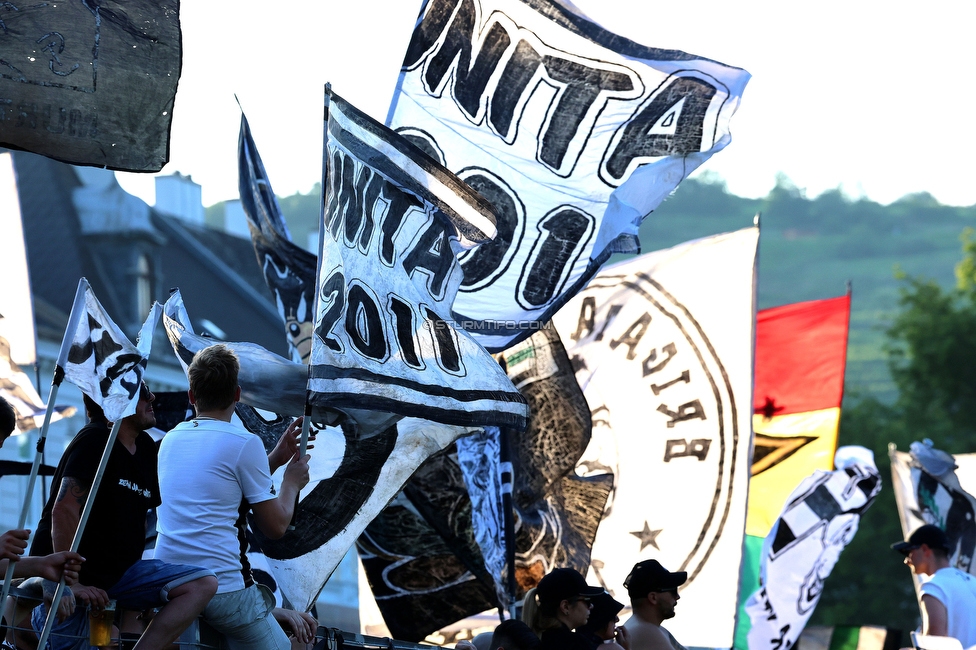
[653, 594]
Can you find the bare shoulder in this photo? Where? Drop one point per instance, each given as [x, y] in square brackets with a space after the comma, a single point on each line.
[647, 636]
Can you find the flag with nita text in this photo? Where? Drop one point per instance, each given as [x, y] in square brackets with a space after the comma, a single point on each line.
[820, 519]
[573, 133]
[355, 469]
[394, 223]
[90, 83]
[662, 348]
[100, 360]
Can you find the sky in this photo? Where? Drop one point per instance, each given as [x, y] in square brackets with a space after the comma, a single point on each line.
[871, 97]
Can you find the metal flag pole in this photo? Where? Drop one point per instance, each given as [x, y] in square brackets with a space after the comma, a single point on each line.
[76, 542]
[77, 310]
[307, 421]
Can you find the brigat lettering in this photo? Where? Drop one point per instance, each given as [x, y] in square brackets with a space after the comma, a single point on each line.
[653, 363]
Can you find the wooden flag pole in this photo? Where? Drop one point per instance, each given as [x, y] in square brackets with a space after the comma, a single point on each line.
[83, 521]
[77, 309]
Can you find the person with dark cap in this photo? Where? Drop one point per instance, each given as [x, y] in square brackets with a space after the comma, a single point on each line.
[601, 630]
[557, 606]
[513, 635]
[653, 592]
[949, 597]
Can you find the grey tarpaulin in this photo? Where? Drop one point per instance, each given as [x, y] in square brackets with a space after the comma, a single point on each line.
[90, 82]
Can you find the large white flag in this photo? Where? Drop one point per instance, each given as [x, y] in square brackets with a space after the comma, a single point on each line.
[662, 346]
[100, 360]
[384, 339]
[819, 520]
[16, 306]
[573, 133]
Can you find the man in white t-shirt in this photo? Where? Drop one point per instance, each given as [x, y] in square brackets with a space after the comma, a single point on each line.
[211, 472]
[949, 596]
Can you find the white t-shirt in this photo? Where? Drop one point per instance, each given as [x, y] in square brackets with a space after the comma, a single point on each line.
[206, 468]
[957, 591]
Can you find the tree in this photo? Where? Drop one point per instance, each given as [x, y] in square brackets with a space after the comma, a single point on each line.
[931, 350]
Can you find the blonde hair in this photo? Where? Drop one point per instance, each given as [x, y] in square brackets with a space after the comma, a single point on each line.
[533, 616]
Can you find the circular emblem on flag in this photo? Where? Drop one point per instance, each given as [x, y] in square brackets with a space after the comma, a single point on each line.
[664, 423]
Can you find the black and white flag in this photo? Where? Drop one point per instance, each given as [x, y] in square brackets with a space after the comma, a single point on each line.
[90, 83]
[819, 520]
[928, 491]
[268, 381]
[100, 360]
[393, 226]
[573, 133]
[289, 269]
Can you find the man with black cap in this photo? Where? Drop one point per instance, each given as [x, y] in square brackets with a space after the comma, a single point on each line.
[949, 597]
[653, 594]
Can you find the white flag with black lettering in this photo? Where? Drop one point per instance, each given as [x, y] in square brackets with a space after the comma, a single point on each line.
[100, 360]
[662, 347]
[573, 133]
[384, 338]
[819, 520]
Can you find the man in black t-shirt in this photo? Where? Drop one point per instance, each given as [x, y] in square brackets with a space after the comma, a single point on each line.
[115, 535]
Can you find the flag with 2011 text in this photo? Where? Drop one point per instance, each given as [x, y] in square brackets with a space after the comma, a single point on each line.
[573, 133]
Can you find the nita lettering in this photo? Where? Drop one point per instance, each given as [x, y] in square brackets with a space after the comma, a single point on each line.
[365, 214]
[492, 67]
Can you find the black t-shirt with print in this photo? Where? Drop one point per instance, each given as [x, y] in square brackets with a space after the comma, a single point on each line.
[115, 534]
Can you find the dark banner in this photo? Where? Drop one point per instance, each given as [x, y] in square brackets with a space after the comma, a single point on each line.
[556, 512]
[90, 82]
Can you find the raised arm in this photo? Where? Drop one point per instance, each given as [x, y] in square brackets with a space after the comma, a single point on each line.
[273, 515]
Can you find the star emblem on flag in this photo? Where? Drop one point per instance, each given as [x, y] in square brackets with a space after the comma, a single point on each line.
[647, 537]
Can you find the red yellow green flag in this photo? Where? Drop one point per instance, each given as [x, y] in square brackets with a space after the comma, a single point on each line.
[801, 352]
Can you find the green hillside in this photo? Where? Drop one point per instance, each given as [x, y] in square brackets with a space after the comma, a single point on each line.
[809, 249]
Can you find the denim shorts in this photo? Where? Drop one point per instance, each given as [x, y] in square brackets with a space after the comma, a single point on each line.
[144, 585]
[245, 619]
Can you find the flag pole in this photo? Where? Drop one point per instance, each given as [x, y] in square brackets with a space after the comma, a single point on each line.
[323, 203]
[77, 309]
[507, 481]
[83, 521]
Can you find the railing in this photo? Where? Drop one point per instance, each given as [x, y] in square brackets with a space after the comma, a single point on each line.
[200, 636]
